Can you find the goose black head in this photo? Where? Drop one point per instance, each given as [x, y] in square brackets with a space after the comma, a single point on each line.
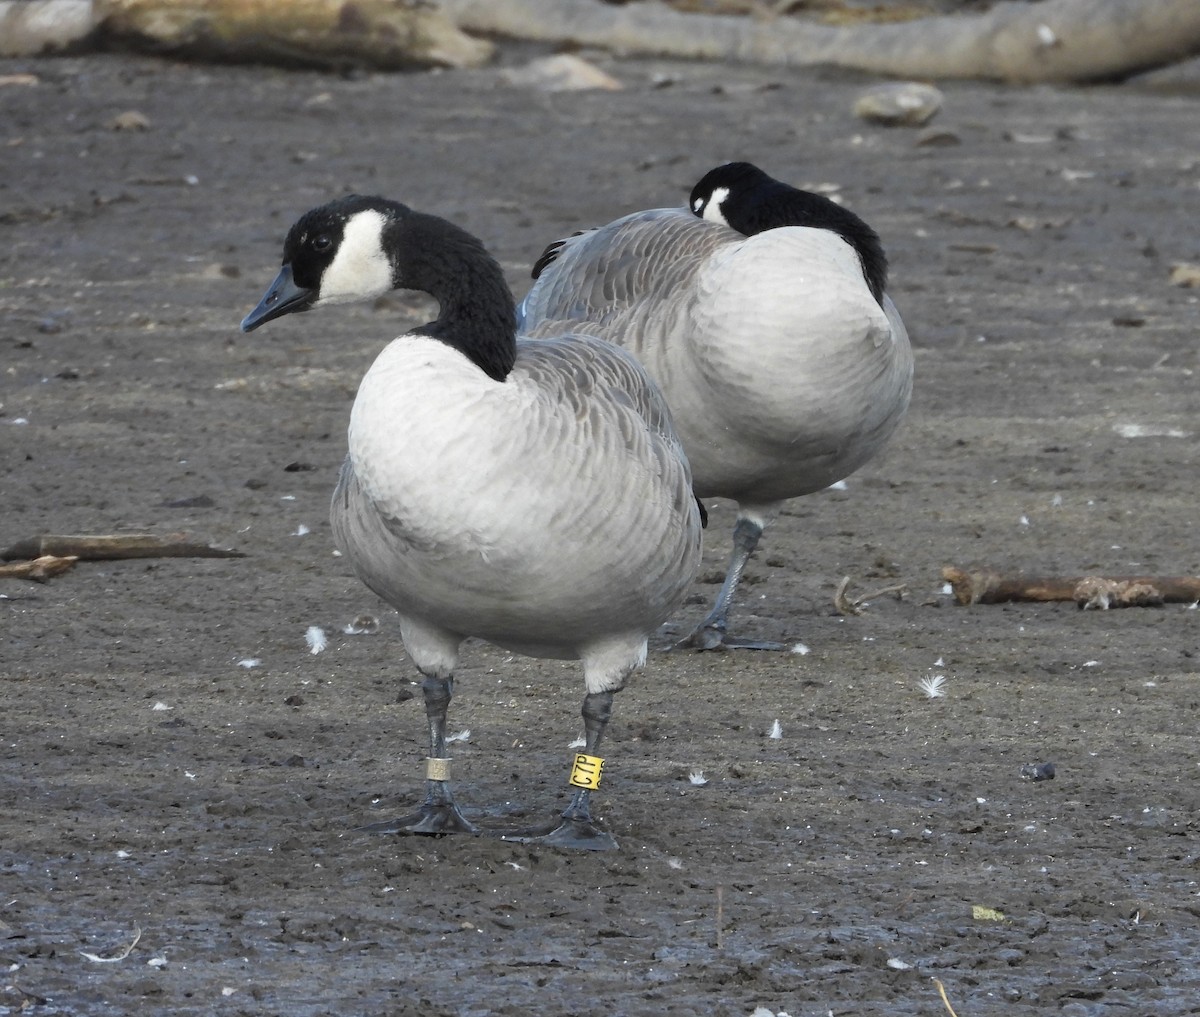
[733, 189]
[358, 248]
[333, 254]
[744, 198]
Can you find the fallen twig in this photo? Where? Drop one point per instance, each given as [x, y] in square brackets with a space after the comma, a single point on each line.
[110, 547]
[39, 569]
[845, 605]
[984, 586]
[120, 955]
[942, 991]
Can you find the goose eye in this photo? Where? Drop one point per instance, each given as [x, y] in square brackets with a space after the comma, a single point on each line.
[321, 242]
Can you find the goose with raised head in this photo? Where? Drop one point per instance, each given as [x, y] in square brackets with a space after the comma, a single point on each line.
[531, 493]
[761, 311]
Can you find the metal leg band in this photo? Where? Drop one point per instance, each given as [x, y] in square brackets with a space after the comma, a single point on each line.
[437, 769]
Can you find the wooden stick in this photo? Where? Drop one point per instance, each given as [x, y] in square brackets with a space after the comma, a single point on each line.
[845, 604]
[39, 570]
[109, 547]
[984, 586]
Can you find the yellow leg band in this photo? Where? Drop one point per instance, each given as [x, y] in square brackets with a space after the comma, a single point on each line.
[437, 769]
[586, 770]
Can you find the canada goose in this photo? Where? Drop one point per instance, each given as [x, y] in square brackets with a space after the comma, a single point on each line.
[760, 310]
[532, 493]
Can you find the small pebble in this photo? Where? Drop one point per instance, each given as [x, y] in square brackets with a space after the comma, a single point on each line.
[561, 73]
[1038, 771]
[130, 120]
[1185, 274]
[899, 104]
[937, 137]
[195, 501]
[363, 625]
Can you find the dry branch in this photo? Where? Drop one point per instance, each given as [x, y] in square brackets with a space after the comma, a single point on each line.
[47, 566]
[843, 603]
[110, 547]
[984, 586]
[1056, 40]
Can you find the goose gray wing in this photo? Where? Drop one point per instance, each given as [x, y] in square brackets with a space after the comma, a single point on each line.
[594, 278]
[616, 406]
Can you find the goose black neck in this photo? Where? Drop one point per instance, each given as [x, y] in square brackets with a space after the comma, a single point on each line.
[778, 204]
[476, 312]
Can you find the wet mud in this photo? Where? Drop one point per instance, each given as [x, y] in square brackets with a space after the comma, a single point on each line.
[854, 839]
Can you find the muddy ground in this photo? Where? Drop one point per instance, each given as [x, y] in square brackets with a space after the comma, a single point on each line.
[150, 783]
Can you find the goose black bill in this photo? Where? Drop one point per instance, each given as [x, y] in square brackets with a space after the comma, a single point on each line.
[282, 297]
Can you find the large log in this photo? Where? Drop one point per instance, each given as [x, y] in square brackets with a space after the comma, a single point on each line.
[383, 34]
[1051, 41]
[34, 27]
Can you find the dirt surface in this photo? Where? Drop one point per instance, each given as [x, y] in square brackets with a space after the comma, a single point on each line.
[151, 781]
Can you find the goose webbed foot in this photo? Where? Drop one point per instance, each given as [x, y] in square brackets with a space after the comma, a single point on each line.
[742, 643]
[711, 635]
[575, 829]
[438, 814]
[573, 833]
[706, 636]
[433, 819]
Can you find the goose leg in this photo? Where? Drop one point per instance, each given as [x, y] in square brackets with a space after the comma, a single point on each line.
[438, 814]
[575, 828]
[710, 633]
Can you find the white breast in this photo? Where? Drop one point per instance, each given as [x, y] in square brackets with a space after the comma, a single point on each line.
[537, 511]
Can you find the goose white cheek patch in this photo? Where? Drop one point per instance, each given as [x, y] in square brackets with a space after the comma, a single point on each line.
[360, 269]
[712, 211]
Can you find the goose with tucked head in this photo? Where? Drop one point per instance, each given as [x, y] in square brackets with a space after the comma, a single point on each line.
[761, 311]
[532, 493]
